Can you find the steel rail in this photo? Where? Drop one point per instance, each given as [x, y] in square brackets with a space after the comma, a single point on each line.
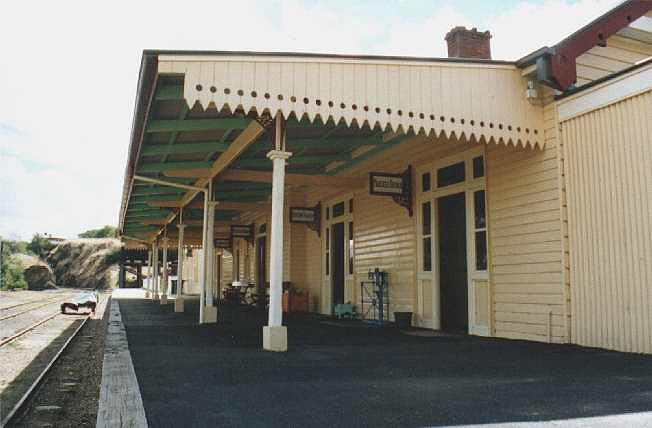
[38, 380]
[47, 302]
[4, 308]
[28, 329]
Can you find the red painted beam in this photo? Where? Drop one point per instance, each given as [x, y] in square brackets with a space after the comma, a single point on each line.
[563, 62]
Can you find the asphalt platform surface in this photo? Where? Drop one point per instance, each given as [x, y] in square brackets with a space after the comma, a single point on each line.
[351, 374]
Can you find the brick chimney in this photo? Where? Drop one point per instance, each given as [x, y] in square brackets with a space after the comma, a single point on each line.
[463, 43]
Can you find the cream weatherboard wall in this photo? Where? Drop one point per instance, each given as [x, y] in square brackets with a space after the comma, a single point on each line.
[607, 135]
[525, 292]
[383, 232]
[526, 245]
[526, 288]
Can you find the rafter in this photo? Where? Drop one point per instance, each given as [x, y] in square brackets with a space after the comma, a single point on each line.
[197, 125]
[298, 160]
[169, 93]
[246, 138]
[266, 177]
[391, 140]
[156, 190]
[154, 222]
[148, 198]
[238, 206]
[170, 166]
[185, 148]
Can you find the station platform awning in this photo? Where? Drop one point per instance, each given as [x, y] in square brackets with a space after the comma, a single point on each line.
[203, 116]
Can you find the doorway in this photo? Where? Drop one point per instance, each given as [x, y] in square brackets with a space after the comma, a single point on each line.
[261, 259]
[337, 262]
[454, 306]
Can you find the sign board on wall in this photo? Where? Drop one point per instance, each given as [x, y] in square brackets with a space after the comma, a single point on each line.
[398, 186]
[385, 184]
[302, 215]
[243, 231]
[311, 217]
[222, 243]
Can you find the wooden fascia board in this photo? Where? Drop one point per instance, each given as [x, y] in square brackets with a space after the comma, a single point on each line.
[563, 64]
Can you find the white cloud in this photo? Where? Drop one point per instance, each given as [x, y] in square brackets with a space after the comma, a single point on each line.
[53, 200]
[68, 75]
[425, 38]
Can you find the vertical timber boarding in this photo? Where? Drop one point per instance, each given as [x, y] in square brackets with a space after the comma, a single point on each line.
[607, 169]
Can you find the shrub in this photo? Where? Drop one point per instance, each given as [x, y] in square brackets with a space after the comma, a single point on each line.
[104, 232]
[12, 274]
[40, 246]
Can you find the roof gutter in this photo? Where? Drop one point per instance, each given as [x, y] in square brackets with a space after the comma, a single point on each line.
[144, 93]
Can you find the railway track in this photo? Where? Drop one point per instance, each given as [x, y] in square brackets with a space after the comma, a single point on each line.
[4, 308]
[28, 329]
[25, 398]
[42, 302]
[10, 414]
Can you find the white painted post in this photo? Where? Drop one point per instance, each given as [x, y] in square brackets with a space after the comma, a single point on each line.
[210, 311]
[210, 253]
[148, 280]
[156, 271]
[202, 262]
[178, 302]
[207, 311]
[275, 334]
[165, 280]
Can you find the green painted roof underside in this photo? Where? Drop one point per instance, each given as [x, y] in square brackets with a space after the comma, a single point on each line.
[178, 138]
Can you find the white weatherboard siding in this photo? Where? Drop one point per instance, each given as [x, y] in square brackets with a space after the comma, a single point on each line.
[526, 241]
[608, 158]
[480, 101]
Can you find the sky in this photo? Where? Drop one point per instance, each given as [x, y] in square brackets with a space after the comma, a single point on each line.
[69, 70]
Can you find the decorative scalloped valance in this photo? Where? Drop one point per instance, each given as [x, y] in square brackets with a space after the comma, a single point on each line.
[485, 102]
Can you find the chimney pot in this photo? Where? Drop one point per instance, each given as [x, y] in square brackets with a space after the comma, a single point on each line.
[463, 43]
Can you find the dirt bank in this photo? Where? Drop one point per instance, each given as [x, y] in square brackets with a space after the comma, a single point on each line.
[85, 263]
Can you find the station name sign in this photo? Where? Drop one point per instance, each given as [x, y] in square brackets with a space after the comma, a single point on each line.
[398, 186]
[310, 216]
[303, 215]
[222, 243]
[243, 231]
[386, 184]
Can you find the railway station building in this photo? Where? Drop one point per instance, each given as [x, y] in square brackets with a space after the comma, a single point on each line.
[508, 199]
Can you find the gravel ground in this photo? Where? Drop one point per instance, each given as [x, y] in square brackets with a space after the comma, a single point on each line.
[68, 395]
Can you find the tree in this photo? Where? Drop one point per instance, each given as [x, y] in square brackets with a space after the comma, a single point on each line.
[40, 246]
[12, 274]
[12, 247]
[104, 232]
